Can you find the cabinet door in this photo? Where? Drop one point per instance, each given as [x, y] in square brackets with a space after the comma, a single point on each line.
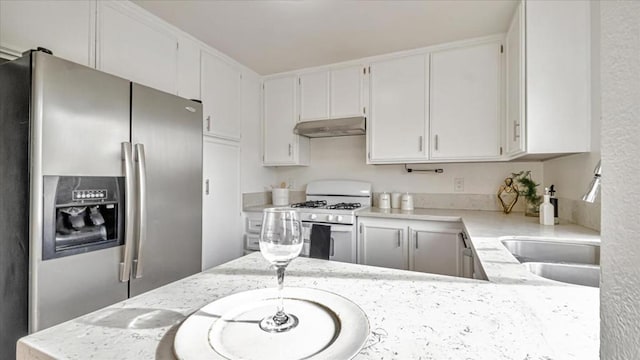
[465, 102]
[136, 49]
[314, 96]
[221, 86]
[189, 69]
[281, 146]
[515, 119]
[436, 252]
[558, 73]
[64, 27]
[398, 102]
[384, 246]
[342, 247]
[346, 92]
[221, 211]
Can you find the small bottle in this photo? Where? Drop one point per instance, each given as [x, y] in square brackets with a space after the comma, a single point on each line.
[554, 202]
[546, 209]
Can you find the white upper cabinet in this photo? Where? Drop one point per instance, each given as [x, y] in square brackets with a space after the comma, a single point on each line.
[141, 50]
[398, 117]
[466, 102]
[221, 92]
[188, 69]
[314, 96]
[548, 70]
[515, 119]
[558, 73]
[281, 145]
[67, 28]
[332, 93]
[346, 91]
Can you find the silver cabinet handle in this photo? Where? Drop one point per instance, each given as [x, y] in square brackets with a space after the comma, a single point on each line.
[208, 122]
[206, 187]
[420, 143]
[290, 149]
[516, 132]
[415, 233]
[125, 266]
[399, 238]
[436, 142]
[332, 248]
[142, 207]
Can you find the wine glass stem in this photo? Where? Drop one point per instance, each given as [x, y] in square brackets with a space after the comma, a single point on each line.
[280, 316]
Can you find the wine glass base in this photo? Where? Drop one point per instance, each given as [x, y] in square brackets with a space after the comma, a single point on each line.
[269, 324]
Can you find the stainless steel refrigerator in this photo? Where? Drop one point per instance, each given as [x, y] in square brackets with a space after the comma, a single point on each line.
[100, 192]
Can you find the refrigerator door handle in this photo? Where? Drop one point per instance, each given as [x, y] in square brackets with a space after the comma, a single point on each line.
[142, 208]
[125, 266]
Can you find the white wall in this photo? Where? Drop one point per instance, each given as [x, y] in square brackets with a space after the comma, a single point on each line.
[620, 282]
[344, 158]
[254, 176]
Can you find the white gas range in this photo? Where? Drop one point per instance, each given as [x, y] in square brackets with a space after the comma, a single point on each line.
[334, 203]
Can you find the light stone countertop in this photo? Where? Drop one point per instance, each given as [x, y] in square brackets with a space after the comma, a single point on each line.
[515, 315]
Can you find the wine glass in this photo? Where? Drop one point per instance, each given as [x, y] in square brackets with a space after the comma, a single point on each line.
[280, 242]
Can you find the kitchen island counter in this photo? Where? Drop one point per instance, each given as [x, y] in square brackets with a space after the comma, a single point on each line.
[412, 315]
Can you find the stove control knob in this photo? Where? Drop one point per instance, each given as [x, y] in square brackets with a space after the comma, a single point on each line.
[313, 216]
[339, 218]
[329, 217]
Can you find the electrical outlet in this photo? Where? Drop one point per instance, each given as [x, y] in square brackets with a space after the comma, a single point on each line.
[291, 183]
[458, 184]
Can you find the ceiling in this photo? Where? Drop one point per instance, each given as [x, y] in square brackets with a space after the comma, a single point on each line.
[276, 36]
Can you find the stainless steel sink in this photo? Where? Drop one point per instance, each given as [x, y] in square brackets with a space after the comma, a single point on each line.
[553, 251]
[587, 275]
[572, 263]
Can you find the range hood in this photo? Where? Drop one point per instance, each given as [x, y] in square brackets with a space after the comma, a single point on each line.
[332, 127]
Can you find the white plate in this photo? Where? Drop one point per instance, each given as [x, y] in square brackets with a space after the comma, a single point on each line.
[331, 327]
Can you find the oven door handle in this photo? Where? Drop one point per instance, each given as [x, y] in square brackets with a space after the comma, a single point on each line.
[332, 248]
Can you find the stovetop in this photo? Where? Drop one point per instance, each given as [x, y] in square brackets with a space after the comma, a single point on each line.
[322, 204]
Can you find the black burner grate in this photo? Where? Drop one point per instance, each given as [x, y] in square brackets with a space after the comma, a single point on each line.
[310, 204]
[344, 206]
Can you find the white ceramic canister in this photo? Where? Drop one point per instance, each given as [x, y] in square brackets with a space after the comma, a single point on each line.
[396, 200]
[384, 201]
[280, 196]
[406, 202]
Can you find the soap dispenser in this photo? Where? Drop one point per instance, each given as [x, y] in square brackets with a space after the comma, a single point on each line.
[554, 201]
[546, 209]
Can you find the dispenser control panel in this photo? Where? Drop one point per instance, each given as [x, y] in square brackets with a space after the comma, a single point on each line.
[89, 195]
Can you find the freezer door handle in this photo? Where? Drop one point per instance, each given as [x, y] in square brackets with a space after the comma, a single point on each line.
[125, 266]
[142, 208]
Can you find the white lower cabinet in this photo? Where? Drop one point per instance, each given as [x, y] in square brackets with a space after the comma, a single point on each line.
[436, 249]
[426, 246]
[221, 205]
[383, 243]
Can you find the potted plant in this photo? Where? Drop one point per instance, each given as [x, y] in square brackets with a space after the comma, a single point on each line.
[529, 190]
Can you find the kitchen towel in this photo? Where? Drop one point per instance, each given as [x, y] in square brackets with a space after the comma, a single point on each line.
[320, 241]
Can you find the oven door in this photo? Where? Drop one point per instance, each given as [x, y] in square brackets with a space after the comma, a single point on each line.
[343, 242]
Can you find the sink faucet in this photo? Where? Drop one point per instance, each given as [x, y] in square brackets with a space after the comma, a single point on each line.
[594, 187]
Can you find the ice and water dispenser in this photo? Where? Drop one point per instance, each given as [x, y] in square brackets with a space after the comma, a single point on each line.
[82, 214]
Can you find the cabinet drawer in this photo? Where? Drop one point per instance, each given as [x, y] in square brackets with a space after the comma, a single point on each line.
[254, 226]
[252, 242]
